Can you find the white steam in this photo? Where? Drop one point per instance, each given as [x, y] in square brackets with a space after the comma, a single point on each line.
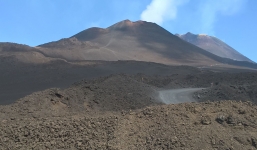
[202, 15]
[210, 10]
[159, 11]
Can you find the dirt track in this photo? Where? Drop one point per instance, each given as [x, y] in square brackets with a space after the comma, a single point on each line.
[175, 96]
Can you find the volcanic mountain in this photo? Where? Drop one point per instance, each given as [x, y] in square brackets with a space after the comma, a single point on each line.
[125, 40]
[213, 45]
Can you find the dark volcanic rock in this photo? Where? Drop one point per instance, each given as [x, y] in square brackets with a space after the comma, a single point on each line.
[180, 126]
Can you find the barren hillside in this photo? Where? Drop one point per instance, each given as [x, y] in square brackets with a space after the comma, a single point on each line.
[122, 112]
[213, 45]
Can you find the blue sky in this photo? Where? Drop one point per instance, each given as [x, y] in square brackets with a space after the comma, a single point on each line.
[35, 22]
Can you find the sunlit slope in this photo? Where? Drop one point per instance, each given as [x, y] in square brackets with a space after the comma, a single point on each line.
[213, 45]
[126, 40]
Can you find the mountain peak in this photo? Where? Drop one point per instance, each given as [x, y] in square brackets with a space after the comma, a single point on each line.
[127, 24]
[189, 33]
[193, 37]
[192, 34]
[90, 33]
[213, 45]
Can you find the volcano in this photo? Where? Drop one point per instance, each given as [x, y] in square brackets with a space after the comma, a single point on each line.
[126, 40]
[213, 45]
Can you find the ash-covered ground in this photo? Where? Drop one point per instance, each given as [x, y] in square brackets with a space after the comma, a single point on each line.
[118, 106]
